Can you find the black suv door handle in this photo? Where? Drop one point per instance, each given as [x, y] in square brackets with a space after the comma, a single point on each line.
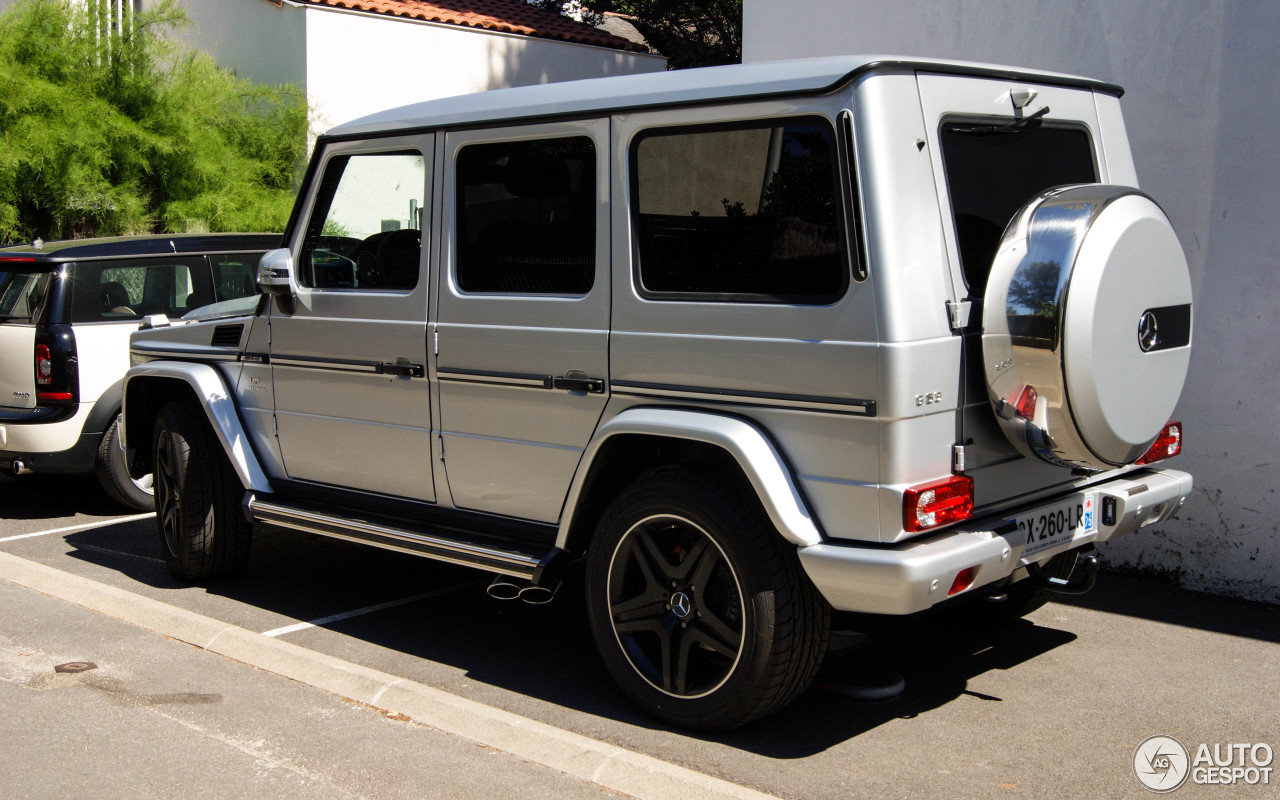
[589, 385]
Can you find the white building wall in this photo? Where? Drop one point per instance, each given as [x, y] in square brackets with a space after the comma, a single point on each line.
[259, 41]
[358, 64]
[354, 63]
[1202, 104]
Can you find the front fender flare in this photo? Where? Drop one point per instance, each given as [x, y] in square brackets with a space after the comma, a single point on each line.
[760, 461]
[218, 404]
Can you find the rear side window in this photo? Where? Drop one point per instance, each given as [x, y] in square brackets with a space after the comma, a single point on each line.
[526, 217]
[122, 290]
[993, 169]
[234, 275]
[22, 293]
[744, 213]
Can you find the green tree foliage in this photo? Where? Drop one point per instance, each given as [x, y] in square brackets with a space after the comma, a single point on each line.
[109, 134]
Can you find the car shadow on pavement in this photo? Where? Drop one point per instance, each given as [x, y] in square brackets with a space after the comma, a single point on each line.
[34, 497]
[1161, 601]
[546, 652]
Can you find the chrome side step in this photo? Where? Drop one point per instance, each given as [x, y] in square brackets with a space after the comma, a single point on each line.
[454, 548]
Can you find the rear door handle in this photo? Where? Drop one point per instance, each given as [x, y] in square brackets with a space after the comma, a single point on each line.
[588, 385]
[403, 369]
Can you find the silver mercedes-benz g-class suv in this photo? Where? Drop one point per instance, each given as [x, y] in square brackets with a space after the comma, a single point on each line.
[757, 342]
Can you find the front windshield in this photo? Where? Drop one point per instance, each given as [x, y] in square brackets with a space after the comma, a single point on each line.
[21, 293]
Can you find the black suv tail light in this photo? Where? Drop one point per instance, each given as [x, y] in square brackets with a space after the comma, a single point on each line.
[57, 370]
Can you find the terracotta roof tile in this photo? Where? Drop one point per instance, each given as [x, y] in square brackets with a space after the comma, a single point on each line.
[507, 16]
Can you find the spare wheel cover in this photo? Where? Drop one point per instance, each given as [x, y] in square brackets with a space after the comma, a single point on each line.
[1089, 304]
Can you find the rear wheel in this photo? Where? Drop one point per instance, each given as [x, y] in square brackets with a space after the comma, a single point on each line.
[700, 610]
[113, 474]
[203, 534]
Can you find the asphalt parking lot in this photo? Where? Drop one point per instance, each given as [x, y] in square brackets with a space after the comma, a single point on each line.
[1053, 706]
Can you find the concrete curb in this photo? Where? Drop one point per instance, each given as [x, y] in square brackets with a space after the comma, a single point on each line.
[601, 763]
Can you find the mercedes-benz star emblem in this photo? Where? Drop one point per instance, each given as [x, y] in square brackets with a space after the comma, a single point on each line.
[1148, 332]
[681, 605]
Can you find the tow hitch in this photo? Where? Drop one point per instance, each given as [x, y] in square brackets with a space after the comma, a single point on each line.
[1081, 580]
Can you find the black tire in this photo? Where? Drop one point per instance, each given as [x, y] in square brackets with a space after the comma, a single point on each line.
[1020, 599]
[681, 565]
[113, 474]
[203, 533]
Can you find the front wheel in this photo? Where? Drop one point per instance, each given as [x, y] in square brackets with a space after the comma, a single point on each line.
[203, 534]
[700, 610]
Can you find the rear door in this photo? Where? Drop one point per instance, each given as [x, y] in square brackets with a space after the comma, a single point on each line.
[990, 157]
[524, 312]
[21, 296]
[349, 363]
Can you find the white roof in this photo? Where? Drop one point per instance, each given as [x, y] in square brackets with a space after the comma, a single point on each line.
[678, 87]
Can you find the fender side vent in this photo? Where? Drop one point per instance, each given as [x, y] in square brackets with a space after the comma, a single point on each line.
[227, 336]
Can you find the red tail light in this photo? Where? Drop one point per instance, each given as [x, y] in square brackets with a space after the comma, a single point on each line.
[1167, 445]
[44, 365]
[1025, 405]
[930, 505]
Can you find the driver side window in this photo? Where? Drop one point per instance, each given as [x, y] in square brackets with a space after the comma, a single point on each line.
[365, 232]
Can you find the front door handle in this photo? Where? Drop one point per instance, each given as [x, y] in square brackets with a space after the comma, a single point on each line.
[588, 385]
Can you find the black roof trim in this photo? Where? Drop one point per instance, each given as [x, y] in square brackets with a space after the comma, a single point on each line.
[178, 244]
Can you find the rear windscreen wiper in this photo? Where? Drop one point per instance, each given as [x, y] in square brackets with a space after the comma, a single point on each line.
[1007, 127]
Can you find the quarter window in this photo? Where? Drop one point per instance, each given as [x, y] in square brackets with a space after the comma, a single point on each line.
[743, 213]
[21, 293]
[526, 217]
[366, 229]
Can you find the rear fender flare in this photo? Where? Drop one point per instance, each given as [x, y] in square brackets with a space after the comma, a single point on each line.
[218, 404]
[761, 463]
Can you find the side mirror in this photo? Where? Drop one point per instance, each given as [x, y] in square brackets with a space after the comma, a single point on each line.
[273, 272]
[273, 279]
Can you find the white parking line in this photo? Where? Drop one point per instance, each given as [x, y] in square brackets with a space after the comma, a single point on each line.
[72, 529]
[315, 623]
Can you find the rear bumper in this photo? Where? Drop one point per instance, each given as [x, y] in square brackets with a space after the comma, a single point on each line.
[912, 576]
[50, 443]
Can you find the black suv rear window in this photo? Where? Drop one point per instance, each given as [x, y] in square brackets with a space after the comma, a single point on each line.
[994, 168]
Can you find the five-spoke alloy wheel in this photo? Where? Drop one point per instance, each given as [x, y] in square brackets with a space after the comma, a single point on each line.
[676, 606]
[700, 609]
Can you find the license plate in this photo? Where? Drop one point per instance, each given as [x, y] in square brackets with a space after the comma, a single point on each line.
[1049, 526]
